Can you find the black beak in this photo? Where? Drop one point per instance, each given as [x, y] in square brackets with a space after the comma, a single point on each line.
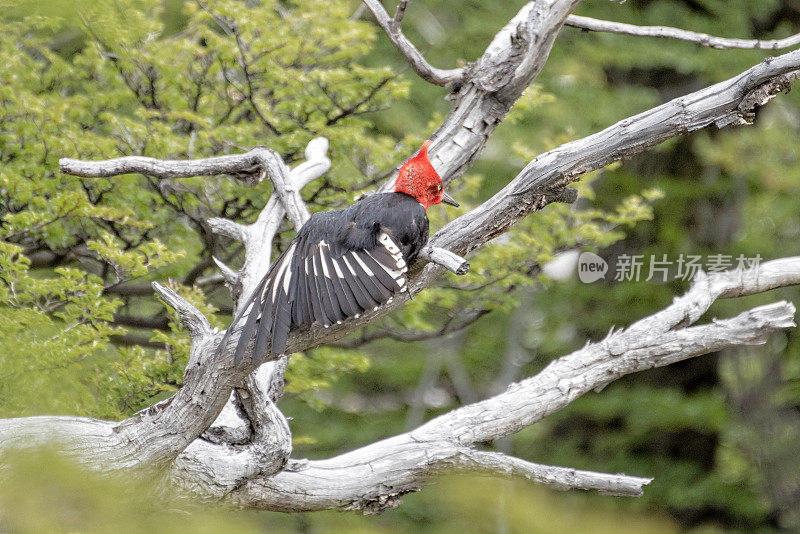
[447, 199]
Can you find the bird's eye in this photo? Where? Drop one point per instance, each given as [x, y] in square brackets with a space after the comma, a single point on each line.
[439, 187]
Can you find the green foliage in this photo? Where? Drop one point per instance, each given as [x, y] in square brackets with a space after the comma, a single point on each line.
[315, 369]
[235, 76]
[50, 324]
[131, 263]
[45, 493]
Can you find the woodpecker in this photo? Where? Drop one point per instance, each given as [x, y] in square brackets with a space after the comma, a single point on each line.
[343, 262]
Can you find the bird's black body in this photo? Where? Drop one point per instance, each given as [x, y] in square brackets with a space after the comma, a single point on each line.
[340, 264]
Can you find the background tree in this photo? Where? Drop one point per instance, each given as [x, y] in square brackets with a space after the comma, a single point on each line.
[77, 252]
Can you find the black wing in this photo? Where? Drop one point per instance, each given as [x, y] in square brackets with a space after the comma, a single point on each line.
[340, 264]
[264, 309]
[317, 282]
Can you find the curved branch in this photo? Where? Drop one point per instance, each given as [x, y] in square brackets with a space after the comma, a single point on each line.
[667, 32]
[247, 164]
[195, 322]
[374, 478]
[228, 228]
[414, 57]
[228, 274]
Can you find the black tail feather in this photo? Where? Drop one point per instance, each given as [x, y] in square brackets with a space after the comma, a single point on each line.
[250, 308]
[261, 330]
[281, 324]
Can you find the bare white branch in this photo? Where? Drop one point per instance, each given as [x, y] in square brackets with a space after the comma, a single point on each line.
[667, 32]
[81, 435]
[190, 316]
[400, 12]
[728, 102]
[228, 274]
[296, 209]
[621, 353]
[246, 165]
[450, 261]
[223, 468]
[228, 228]
[493, 83]
[560, 478]
[374, 478]
[316, 164]
[230, 427]
[414, 57]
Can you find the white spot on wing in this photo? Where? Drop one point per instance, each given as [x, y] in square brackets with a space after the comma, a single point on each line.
[287, 260]
[363, 265]
[392, 272]
[347, 263]
[387, 242]
[323, 252]
[286, 279]
[336, 268]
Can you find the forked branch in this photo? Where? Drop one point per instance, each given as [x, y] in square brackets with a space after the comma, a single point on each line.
[391, 25]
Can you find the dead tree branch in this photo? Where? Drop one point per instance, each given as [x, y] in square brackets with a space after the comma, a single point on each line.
[667, 32]
[391, 25]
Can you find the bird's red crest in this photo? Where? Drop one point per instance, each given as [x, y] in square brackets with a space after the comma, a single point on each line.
[419, 179]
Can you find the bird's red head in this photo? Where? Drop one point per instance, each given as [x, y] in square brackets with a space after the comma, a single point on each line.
[419, 179]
